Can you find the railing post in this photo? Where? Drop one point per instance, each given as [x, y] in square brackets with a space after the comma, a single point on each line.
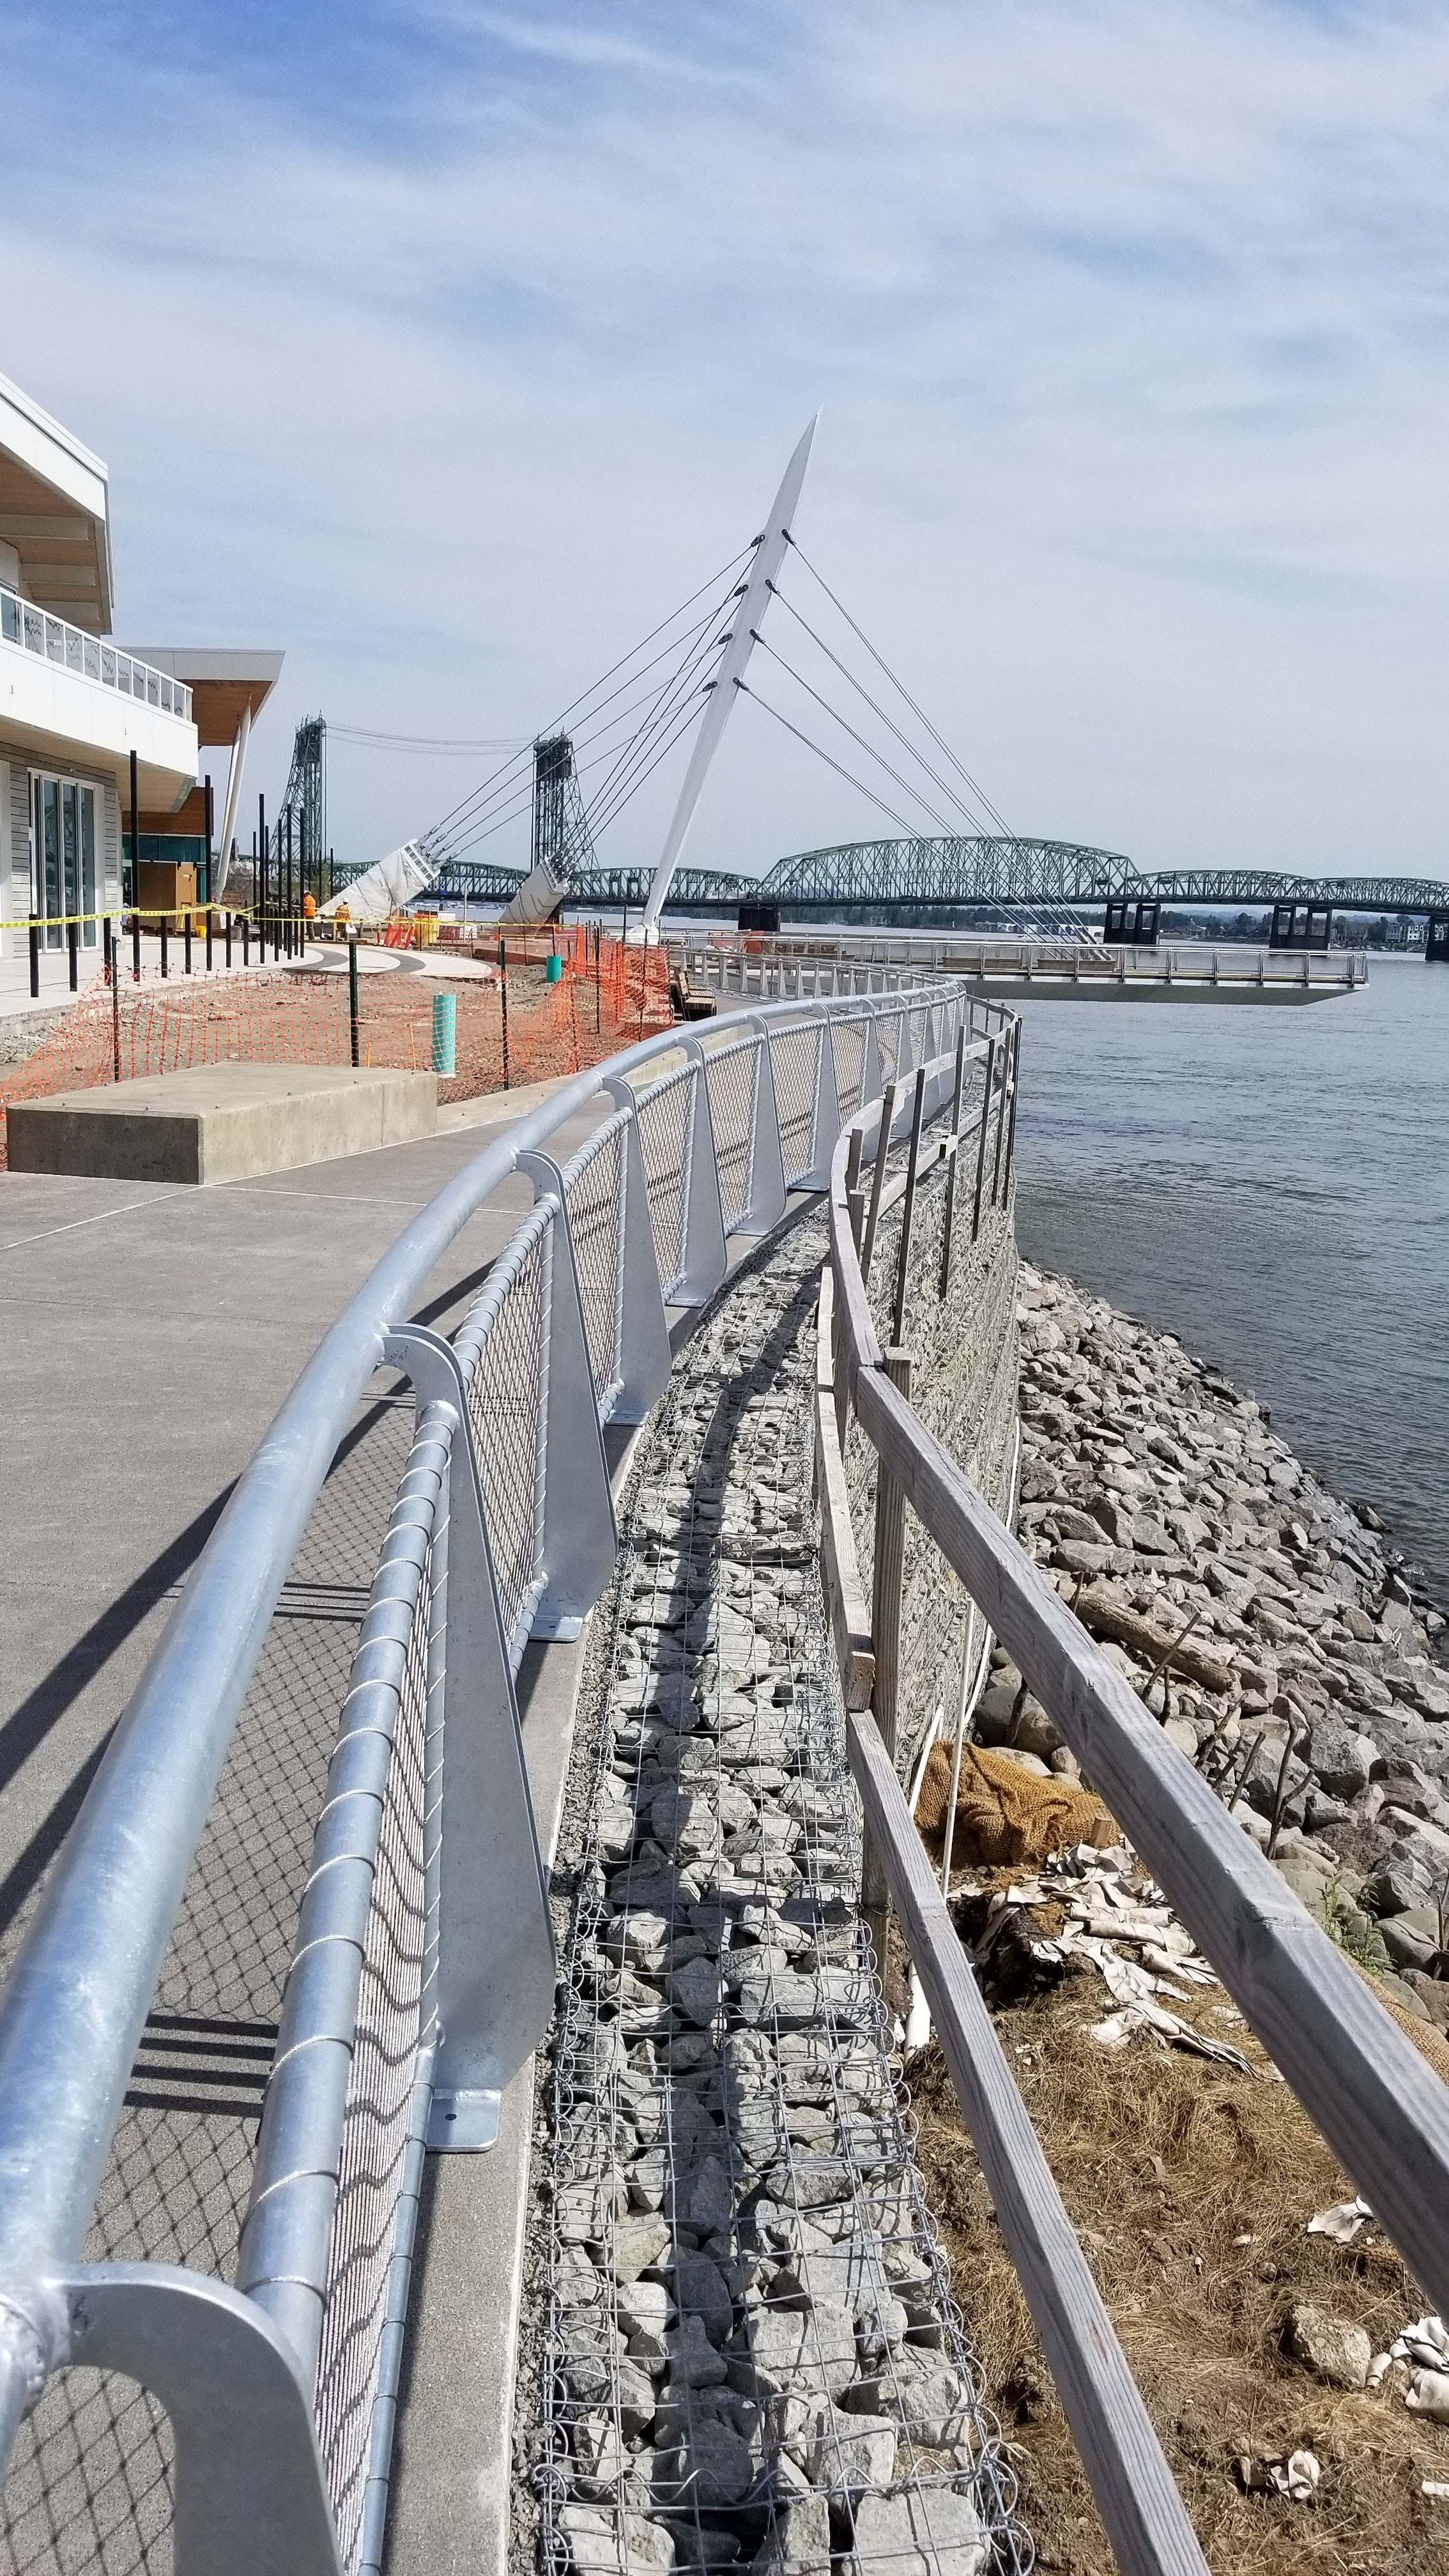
[948, 1220]
[580, 1538]
[496, 1966]
[825, 1120]
[249, 2483]
[908, 1208]
[644, 1353]
[877, 1181]
[34, 959]
[885, 1623]
[72, 942]
[703, 1258]
[987, 1081]
[1011, 1121]
[768, 1195]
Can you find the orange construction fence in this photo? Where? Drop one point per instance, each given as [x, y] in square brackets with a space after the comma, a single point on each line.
[511, 1030]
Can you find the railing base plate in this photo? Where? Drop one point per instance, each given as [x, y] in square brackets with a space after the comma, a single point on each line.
[463, 2124]
[558, 1627]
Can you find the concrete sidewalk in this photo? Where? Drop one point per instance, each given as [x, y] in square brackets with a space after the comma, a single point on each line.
[148, 1333]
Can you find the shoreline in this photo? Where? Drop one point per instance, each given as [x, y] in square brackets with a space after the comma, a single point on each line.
[1306, 1670]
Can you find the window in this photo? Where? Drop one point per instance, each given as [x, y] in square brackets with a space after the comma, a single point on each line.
[63, 857]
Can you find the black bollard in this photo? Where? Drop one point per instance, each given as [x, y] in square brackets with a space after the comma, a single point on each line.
[34, 959]
[72, 941]
[165, 927]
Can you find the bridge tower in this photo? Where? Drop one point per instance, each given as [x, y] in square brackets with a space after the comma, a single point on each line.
[304, 805]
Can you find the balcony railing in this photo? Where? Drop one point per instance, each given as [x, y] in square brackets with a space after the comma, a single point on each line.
[34, 630]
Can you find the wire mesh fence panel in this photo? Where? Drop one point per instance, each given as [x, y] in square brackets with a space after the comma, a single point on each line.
[90, 2482]
[726, 2110]
[384, 2111]
[795, 1059]
[503, 1346]
[920, 1027]
[665, 1117]
[594, 1187]
[848, 1037]
[732, 1074]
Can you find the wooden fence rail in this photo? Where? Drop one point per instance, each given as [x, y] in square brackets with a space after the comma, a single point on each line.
[1373, 2097]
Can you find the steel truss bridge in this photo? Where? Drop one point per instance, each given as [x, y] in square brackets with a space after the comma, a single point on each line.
[923, 875]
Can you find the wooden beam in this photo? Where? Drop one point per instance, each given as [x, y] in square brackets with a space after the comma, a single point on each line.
[1378, 2103]
[1146, 2519]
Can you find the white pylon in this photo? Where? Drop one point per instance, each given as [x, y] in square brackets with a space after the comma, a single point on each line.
[769, 555]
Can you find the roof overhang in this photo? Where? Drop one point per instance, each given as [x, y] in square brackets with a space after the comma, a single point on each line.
[221, 683]
[55, 512]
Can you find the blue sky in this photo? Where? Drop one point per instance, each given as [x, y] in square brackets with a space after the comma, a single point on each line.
[449, 346]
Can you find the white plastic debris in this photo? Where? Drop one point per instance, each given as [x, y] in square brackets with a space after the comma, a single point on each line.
[1422, 2347]
[1296, 2477]
[1342, 2222]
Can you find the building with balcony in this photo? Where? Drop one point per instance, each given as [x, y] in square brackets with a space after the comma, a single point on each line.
[85, 721]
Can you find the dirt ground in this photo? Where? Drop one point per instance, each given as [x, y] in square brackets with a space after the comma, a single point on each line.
[1191, 2187]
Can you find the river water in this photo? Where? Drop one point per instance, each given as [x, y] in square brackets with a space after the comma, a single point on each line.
[1272, 1185]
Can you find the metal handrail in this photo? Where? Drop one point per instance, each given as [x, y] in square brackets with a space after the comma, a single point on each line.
[89, 657]
[78, 1996]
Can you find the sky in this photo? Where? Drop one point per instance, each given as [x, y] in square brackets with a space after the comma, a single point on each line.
[449, 347]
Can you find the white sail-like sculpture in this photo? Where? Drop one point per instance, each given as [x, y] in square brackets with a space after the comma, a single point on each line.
[388, 886]
[769, 555]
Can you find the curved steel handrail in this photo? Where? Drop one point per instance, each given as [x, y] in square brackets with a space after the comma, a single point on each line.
[77, 1998]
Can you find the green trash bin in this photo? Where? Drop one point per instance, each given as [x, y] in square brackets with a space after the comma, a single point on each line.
[553, 970]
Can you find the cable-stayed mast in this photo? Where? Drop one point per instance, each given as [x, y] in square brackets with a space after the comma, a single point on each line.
[768, 556]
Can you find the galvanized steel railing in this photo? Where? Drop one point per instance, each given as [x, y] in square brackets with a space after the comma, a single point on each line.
[422, 1974]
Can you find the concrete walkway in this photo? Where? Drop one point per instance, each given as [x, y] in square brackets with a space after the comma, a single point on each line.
[148, 1333]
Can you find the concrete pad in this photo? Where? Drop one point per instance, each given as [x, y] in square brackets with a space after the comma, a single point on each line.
[222, 1122]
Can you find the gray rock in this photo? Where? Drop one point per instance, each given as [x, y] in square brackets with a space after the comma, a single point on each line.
[1342, 1761]
[933, 2532]
[1412, 1938]
[849, 2454]
[695, 1991]
[636, 2246]
[1334, 2348]
[1397, 1884]
[701, 2291]
[711, 2461]
[606, 2543]
[693, 2360]
[798, 2539]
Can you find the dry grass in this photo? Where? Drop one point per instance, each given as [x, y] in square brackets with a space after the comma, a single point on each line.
[1191, 2187]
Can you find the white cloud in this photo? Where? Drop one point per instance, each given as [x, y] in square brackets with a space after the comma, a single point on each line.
[1130, 326]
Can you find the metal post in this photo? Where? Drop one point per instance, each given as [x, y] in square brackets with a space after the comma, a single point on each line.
[352, 996]
[114, 965]
[768, 1193]
[877, 1180]
[246, 941]
[885, 1622]
[135, 837]
[291, 891]
[1003, 1089]
[981, 1138]
[210, 825]
[260, 891]
[165, 928]
[135, 945]
[72, 948]
[703, 1260]
[909, 1209]
[1011, 1126]
[208, 939]
[503, 990]
[186, 937]
[34, 959]
[948, 1220]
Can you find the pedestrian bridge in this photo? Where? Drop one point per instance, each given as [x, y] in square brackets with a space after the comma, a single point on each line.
[549, 1686]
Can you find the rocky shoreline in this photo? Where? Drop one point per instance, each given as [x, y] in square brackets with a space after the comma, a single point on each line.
[1281, 1638]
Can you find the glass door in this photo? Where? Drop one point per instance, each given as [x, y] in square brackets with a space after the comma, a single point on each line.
[63, 857]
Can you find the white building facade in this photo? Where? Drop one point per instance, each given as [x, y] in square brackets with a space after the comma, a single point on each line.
[75, 707]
